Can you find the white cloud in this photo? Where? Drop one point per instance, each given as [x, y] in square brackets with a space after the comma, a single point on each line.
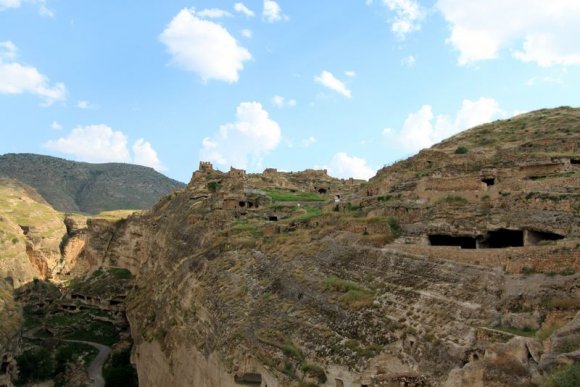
[408, 61]
[83, 104]
[213, 13]
[17, 78]
[328, 80]
[144, 154]
[308, 141]
[273, 12]
[344, 166]
[241, 7]
[423, 129]
[281, 102]
[350, 74]
[43, 9]
[246, 33]
[4, 4]
[100, 144]
[408, 16]
[56, 125]
[244, 143]
[539, 31]
[204, 47]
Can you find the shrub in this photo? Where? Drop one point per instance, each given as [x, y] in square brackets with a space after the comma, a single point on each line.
[213, 186]
[394, 226]
[461, 150]
[568, 376]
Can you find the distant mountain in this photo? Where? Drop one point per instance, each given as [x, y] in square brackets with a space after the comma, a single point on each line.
[71, 186]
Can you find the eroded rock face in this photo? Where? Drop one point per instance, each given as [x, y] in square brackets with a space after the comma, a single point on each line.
[250, 279]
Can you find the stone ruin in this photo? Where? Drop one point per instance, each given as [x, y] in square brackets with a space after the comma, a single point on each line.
[205, 167]
[237, 173]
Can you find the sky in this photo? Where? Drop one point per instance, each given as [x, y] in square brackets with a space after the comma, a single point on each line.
[346, 85]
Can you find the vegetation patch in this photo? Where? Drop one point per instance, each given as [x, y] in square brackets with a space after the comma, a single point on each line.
[120, 273]
[280, 195]
[567, 376]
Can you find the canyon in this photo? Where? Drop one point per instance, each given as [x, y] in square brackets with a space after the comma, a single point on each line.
[458, 266]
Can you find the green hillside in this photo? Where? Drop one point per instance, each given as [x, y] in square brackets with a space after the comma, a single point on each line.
[71, 186]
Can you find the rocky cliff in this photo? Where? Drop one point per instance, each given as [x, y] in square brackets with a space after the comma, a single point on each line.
[455, 267]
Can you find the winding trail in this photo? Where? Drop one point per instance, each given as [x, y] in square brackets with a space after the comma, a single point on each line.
[95, 369]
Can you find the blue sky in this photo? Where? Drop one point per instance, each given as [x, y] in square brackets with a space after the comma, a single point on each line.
[345, 85]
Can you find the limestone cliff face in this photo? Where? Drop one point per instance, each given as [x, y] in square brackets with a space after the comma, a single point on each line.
[31, 233]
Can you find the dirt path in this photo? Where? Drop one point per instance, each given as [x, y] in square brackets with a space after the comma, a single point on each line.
[96, 367]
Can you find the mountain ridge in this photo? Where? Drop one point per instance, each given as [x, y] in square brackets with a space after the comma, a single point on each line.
[72, 186]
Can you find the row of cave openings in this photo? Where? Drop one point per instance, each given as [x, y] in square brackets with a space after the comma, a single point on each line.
[496, 239]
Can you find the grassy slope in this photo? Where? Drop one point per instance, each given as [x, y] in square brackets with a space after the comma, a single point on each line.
[90, 188]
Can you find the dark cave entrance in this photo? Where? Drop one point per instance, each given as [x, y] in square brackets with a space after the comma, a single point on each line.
[465, 242]
[575, 161]
[489, 181]
[322, 191]
[536, 237]
[502, 238]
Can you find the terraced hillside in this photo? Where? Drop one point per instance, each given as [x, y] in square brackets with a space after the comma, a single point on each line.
[445, 269]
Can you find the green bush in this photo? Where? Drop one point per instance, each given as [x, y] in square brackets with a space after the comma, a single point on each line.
[213, 186]
[394, 226]
[461, 150]
[37, 365]
[568, 376]
[120, 372]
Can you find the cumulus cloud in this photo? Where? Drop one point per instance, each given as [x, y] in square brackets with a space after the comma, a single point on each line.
[204, 47]
[272, 12]
[328, 80]
[344, 166]
[4, 4]
[281, 102]
[100, 143]
[423, 129]
[408, 16]
[56, 125]
[213, 13]
[144, 154]
[246, 33]
[18, 78]
[241, 8]
[350, 74]
[538, 31]
[244, 143]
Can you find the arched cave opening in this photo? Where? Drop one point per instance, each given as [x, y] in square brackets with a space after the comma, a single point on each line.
[322, 191]
[465, 242]
[536, 237]
[242, 204]
[489, 181]
[502, 238]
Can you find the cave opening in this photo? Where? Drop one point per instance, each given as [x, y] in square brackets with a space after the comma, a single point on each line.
[242, 204]
[536, 237]
[465, 242]
[273, 218]
[322, 191]
[575, 161]
[502, 238]
[489, 181]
